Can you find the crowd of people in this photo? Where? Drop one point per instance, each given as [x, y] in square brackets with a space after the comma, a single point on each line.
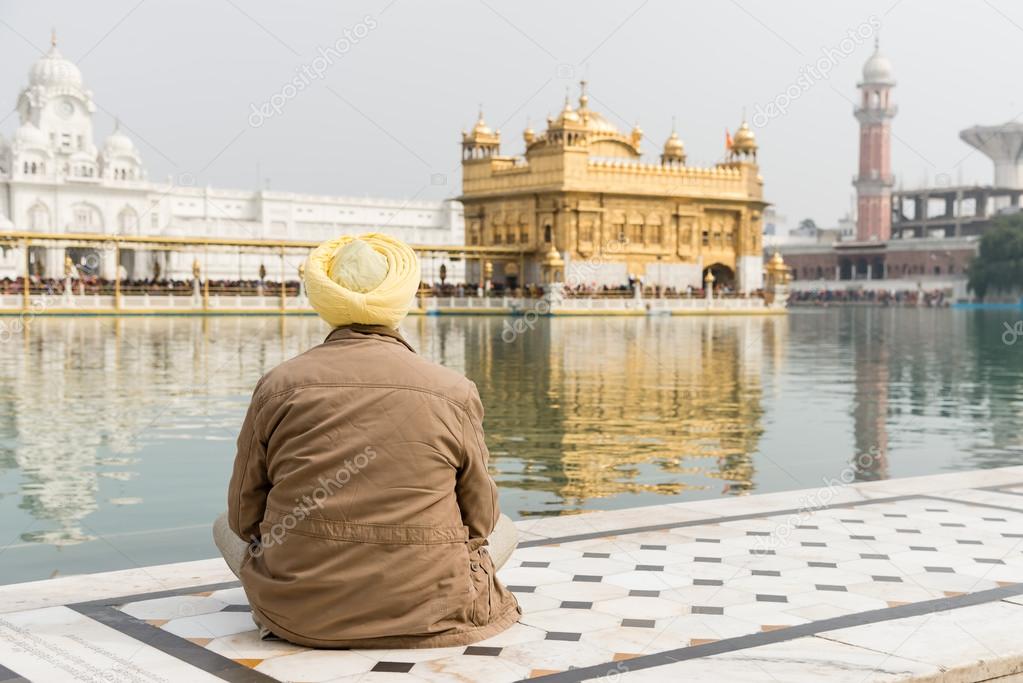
[829, 297]
[103, 286]
[93, 285]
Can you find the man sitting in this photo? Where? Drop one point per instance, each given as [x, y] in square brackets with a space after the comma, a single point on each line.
[360, 509]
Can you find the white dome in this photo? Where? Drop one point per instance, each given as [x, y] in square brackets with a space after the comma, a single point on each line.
[878, 70]
[53, 70]
[31, 137]
[118, 143]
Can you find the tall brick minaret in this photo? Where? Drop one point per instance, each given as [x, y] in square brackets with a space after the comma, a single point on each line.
[874, 180]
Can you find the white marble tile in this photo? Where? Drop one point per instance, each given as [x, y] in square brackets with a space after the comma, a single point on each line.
[804, 660]
[71, 589]
[248, 645]
[644, 580]
[315, 666]
[174, 607]
[231, 596]
[987, 633]
[211, 625]
[514, 635]
[570, 620]
[556, 654]
[59, 644]
[533, 576]
[466, 668]
[640, 608]
[582, 591]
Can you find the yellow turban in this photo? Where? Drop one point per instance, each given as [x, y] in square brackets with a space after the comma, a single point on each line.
[338, 269]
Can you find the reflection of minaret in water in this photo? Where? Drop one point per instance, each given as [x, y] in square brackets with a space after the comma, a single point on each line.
[870, 405]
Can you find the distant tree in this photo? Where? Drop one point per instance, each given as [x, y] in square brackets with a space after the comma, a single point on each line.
[808, 225]
[999, 263]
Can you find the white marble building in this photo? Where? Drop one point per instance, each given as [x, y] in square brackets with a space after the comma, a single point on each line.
[54, 178]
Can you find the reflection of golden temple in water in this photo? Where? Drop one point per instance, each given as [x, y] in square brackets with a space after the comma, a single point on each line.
[606, 399]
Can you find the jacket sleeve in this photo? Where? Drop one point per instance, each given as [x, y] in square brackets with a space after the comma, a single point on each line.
[250, 484]
[475, 489]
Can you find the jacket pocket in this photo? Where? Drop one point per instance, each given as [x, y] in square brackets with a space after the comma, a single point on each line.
[482, 585]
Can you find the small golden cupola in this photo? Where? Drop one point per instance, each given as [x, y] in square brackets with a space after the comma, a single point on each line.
[744, 144]
[529, 135]
[481, 142]
[674, 151]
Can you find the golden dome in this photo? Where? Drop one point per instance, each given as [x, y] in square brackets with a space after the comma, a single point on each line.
[481, 128]
[744, 140]
[567, 115]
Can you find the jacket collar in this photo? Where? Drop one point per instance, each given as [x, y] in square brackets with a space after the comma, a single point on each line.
[356, 331]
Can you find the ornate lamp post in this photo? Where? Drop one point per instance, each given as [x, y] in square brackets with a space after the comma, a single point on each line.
[69, 267]
[708, 287]
[196, 271]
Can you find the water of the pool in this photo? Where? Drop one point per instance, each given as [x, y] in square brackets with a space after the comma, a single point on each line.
[117, 435]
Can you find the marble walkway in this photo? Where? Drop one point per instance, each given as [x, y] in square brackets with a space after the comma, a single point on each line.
[909, 579]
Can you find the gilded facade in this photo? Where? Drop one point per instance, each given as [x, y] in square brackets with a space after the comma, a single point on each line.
[585, 209]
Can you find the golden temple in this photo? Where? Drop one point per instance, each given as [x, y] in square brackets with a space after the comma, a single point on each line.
[586, 210]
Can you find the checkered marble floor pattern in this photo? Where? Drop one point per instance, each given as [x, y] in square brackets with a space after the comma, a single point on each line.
[694, 584]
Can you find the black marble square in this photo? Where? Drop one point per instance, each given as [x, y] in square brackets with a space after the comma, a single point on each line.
[535, 564]
[953, 524]
[873, 556]
[762, 597]
[562, 635]
[940, 570]
[700, 609]
[708, 540]
[855, 537]
[988, 560]
[649, 567]
[394, 667]
[482, 650]
[761, 551]
[923, 548]
[852, 521]
[707, 559]
[587, 578]
[576, 604]
[894, 514]
[1006, 534]
[652, 547]
[829, 587]
[521, 589]
[888, 579]
[601, 555]
[935, 510]
[637, 593]
[758, 533]
[813, 544]
[708, 582]
[766, 572]
[907, 531]
[994, 519]
[639, 623]
[807, 526]
[825, 565]
[968, 541]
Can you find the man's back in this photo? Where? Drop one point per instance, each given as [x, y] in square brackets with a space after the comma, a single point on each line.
[361, 469]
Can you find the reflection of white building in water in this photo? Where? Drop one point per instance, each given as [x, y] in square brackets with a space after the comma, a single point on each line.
[54, 178]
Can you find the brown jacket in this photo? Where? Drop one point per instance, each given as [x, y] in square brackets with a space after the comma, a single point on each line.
[362, 475]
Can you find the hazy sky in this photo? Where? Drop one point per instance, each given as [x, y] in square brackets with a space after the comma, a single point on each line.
[384, 117]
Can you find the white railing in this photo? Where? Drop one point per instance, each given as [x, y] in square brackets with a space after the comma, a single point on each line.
[182, 303]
